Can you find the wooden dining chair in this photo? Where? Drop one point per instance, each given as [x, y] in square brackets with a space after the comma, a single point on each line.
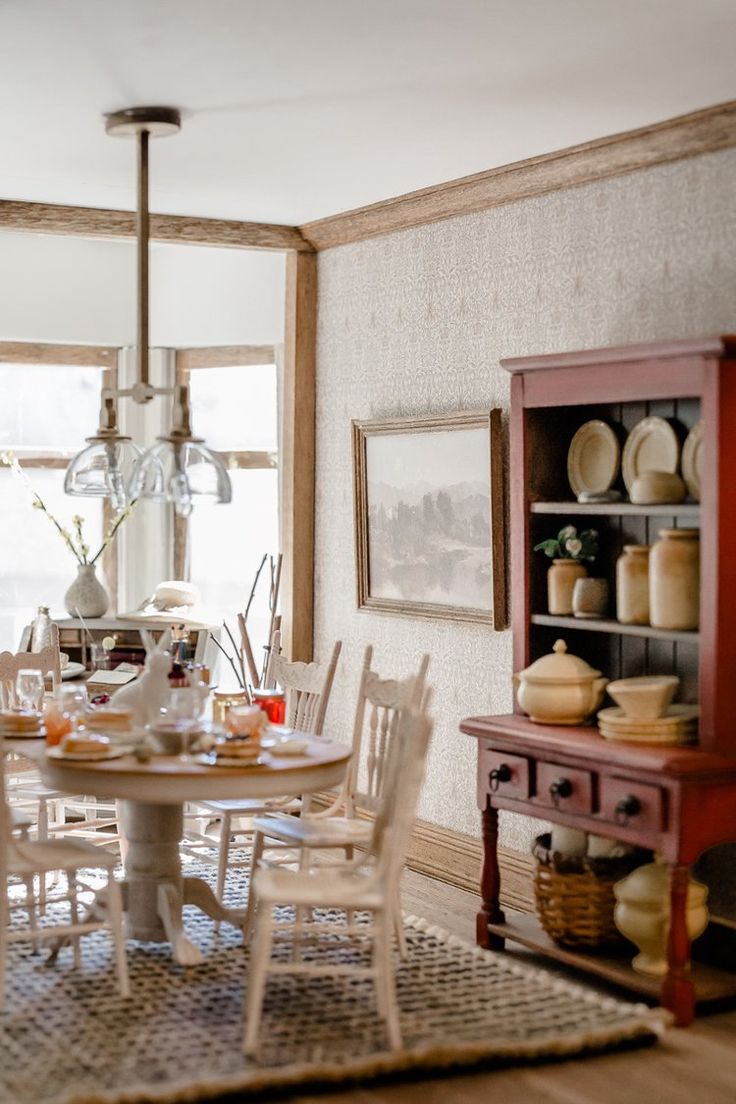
[307, 688]
[340, 825]
[47, 661]
[22, 859]
[369, 885]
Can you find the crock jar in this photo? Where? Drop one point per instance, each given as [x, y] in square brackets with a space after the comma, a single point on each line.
[674, 580]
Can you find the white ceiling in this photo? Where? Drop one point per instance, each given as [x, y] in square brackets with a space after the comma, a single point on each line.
[296, 109]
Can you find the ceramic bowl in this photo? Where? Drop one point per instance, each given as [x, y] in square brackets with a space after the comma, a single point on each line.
[645, 698]
[653, 487]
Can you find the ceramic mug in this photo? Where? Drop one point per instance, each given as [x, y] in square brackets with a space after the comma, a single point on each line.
[590, 597]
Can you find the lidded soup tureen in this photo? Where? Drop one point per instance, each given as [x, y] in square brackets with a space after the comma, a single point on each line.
[559, 688]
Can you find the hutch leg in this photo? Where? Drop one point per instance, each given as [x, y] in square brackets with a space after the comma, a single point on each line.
[490, 884]
[678, 991]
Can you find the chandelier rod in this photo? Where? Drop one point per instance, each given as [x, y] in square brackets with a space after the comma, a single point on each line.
[142, 236]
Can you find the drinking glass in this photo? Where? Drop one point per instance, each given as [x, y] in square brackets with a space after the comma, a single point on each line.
[184, 704]
[29, 689]
[72, 701]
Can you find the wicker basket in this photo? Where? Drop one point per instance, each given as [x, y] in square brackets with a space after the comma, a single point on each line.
[574, 896]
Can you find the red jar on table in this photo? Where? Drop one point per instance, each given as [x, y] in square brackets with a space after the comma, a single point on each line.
[273, 704]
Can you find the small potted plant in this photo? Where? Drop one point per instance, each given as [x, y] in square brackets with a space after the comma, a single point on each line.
[569, 552]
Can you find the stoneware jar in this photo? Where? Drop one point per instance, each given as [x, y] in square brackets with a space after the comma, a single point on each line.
[590, 598]
[632, 585]
[642, 914]
[561, 579]
[559, 688]
[674, 579]
[86, 596]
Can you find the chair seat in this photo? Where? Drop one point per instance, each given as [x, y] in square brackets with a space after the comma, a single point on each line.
[19, 819]
[319, 888]
[34, 856]
[330, 832]
[246, 806]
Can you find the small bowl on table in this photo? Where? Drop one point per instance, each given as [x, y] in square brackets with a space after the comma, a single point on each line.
[646, 697]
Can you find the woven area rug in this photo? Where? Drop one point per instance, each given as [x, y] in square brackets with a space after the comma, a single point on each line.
[66, 1036]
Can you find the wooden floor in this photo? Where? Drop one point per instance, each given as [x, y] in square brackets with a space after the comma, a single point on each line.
[692, 1066]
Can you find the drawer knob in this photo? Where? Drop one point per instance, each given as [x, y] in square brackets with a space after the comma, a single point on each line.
[627, 807]
[561, 787]
[499, 774]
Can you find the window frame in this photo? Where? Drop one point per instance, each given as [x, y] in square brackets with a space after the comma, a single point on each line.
[102, 357]
[200, 358]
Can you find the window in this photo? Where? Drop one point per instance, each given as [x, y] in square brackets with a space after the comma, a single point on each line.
[235, 408]
[50, 402]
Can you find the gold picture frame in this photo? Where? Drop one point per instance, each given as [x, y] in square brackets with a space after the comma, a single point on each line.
[424, 537]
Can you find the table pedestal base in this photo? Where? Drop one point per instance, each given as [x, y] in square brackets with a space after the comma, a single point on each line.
[154, 889]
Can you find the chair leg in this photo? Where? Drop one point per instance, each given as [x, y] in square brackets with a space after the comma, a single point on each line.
[223, 857]
[42, 835]
[296, 947]
[31, 909]
[386, 987]
[398, 922]
[115, 918]
[261, 955]
[71, 888]
[250, 908]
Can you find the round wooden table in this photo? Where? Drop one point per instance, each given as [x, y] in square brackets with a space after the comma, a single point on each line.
[152, 797]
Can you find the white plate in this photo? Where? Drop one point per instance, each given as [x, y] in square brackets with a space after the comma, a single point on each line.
[593, 458]
[73, 670]
[692, 459]
[667, 739]
[290, 747]
[652, 445]
[89, 756]
[676, 717]
[208, 759]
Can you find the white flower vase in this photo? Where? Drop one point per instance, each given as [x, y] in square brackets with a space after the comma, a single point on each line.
[86, 596]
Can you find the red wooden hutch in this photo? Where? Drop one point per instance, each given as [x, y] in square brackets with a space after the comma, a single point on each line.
[678, 801]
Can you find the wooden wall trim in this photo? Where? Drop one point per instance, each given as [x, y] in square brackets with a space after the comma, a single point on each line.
[455, 859]
[93, 222]
[705, 131]
[224, 356]
[297, 455]
[35, 352]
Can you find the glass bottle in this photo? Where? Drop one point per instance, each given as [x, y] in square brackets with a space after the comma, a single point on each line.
[41, 630]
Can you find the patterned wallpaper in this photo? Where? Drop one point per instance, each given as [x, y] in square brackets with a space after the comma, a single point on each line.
[416, 323]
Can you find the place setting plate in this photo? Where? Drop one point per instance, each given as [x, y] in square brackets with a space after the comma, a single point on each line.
[58, 753]
[72, 670]
[209, 759]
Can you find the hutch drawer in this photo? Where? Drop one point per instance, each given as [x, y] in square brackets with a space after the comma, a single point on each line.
[504, 774]
[561, 787]
[632, 804]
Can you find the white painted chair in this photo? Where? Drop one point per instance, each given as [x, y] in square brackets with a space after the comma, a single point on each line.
[307, 688]
[22, 859]
[340, 826]
[47, 661]
[366, 886]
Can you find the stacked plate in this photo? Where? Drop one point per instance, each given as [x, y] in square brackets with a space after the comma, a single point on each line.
[677, 725]
[15, 723]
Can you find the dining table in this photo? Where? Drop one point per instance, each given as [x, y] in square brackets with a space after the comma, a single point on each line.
[151, 796]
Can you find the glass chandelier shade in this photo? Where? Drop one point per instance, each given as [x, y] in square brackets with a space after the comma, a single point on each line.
[180, 468]
[104, 469]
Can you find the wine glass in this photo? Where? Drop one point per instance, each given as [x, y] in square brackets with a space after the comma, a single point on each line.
[72, 701]
[29, 689]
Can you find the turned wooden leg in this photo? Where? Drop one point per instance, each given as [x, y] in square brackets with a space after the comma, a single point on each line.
[678, 991]
[490, 884]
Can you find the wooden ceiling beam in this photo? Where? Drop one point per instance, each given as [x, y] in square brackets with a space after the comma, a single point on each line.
[94, 222]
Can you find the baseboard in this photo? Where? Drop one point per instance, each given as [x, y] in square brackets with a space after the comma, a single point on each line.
[455, 858]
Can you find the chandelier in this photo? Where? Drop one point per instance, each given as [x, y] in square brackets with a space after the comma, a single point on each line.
[179, 468]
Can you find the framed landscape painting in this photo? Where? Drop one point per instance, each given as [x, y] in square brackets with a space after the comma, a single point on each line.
[429, 516]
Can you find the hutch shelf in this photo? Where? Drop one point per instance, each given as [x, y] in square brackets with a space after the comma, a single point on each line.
[684, 797]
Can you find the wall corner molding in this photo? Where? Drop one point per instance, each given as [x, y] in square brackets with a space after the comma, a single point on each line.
[698, 132]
